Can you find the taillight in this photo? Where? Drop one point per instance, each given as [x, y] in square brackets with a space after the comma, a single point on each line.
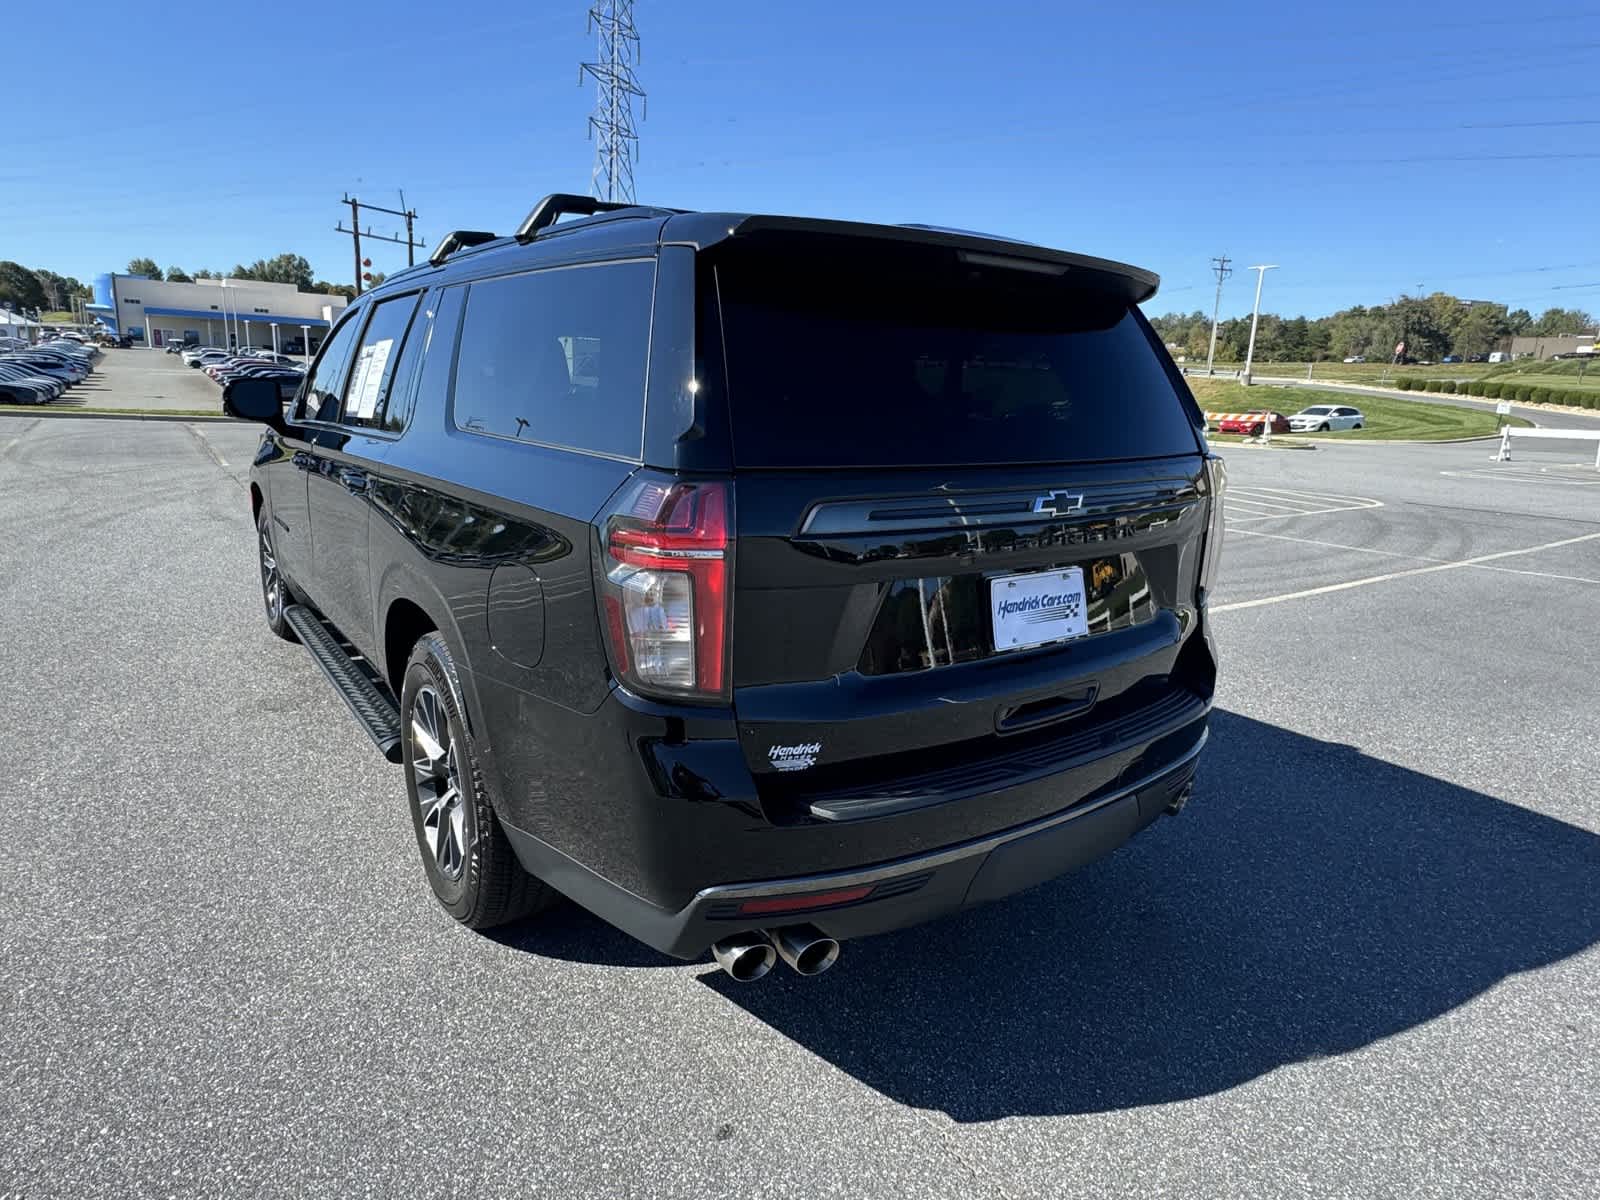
[1211, 552]
[666, 549]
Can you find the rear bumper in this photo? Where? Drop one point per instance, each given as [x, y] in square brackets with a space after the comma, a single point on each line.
[903, 892]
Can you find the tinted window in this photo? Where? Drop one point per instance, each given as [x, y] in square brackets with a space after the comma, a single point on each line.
[915, 359]
[366, 397]
[320, 400]
[558, 357]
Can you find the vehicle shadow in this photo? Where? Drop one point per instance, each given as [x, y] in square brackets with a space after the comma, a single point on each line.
[1310, 901]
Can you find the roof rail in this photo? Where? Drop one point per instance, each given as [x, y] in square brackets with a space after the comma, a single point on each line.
[563, 204]
[458, 239]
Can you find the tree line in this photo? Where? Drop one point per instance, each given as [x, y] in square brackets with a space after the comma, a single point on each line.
[34, 289]
[281, 268]
[1430, 326]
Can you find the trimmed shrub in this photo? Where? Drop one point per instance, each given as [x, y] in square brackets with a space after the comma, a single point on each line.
[1591, 399]
[1491, 390]
[1475, 387]
[1573, 397]
[1433, 385]
[1539, 395]
[1405, 382]
[1449, 387]
[1523, 393]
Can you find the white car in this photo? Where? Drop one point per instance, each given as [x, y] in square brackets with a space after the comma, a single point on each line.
[1356, 358]
[1320, 418]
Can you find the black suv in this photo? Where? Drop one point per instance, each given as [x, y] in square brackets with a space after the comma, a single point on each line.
[756, 582]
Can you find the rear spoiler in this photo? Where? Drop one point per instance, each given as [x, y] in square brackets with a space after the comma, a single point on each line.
[1136, 285]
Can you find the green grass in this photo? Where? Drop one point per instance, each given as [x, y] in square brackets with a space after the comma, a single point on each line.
[1407, 420]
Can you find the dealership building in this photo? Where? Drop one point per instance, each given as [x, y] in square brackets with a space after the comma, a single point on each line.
[213, 312]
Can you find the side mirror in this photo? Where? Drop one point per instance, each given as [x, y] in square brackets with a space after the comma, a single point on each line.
[260, 400]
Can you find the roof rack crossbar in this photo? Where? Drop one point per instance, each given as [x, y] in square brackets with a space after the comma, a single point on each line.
[563, 204]
[459, 239]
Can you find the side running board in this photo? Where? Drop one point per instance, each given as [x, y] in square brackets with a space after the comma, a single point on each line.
[370, 703]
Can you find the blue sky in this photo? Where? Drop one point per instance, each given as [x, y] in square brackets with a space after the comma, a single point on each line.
[1367, 148]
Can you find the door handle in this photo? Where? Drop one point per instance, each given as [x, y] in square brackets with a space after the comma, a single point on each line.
[302, 460]
[353, 480]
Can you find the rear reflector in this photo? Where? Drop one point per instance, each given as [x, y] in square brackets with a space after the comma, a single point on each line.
[779, 904]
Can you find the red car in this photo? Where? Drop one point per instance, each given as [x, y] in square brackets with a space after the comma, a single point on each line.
[1252, 423]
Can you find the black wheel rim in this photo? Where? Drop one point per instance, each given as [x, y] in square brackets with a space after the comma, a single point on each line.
[271, 578]
[435, 765]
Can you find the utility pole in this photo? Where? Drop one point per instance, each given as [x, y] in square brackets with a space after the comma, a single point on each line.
[1220, 266]
[1255, 315]
[410, 241]
[616, 142]
[355, 232]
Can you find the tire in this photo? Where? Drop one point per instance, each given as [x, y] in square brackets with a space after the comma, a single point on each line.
[1255, 430]
[274, 588]
[1357, 425]
[1323, 428]
[465, 854]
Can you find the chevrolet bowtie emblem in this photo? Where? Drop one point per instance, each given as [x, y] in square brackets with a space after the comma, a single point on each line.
[1059, 504]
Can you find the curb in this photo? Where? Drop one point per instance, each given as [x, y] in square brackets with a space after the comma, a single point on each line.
[69, 414]
[1487, 437]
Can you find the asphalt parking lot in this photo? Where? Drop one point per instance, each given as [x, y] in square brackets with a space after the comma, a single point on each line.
[1363, 962]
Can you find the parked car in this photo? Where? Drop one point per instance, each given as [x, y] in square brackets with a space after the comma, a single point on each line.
[689, 662]
[1321, 418]
[1356, 358]
[26, 386]
[1450, 358]
[1253, 424]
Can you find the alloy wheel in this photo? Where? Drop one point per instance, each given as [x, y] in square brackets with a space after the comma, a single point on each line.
[271, 578]
[435, 764]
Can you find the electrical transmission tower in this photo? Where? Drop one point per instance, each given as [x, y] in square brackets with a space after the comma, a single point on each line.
[1223, 270]
[616, 143]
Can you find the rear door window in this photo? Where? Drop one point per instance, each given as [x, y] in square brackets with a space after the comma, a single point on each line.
[372, 373]
[917, 359]
[558, 357]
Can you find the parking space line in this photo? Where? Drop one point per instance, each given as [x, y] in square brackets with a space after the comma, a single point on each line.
[26, 429]
[205, 444]
[1428, 570]
[1319, 497]
[1287, 537]
[1259, 504]
[1522, 477]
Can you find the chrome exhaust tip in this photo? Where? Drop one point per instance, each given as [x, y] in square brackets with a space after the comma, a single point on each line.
[745, 956]
[806, 948]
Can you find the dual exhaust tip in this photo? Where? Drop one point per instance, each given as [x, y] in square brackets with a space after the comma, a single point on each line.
[749, 956]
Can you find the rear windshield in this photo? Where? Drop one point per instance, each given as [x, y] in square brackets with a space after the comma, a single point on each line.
[918, 359]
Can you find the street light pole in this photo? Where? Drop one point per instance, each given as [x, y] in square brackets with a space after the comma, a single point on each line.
[1255, 316]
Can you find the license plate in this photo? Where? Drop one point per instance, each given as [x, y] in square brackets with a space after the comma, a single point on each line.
[1040, 607]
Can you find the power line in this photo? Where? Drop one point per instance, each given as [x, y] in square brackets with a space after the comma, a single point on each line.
[410, 241]
[616, 142]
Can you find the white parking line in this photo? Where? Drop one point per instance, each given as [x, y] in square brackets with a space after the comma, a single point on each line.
[1524, 476]
[1428, 558]
[1443, 566]
[1278, 504]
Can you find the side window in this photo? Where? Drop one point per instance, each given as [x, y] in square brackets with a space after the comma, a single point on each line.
[558, 356]
[320, 399]
[366, 396]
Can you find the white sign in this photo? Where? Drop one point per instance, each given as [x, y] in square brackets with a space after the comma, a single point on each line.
[1503, 408]
[1045, 606]
[365, 380]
